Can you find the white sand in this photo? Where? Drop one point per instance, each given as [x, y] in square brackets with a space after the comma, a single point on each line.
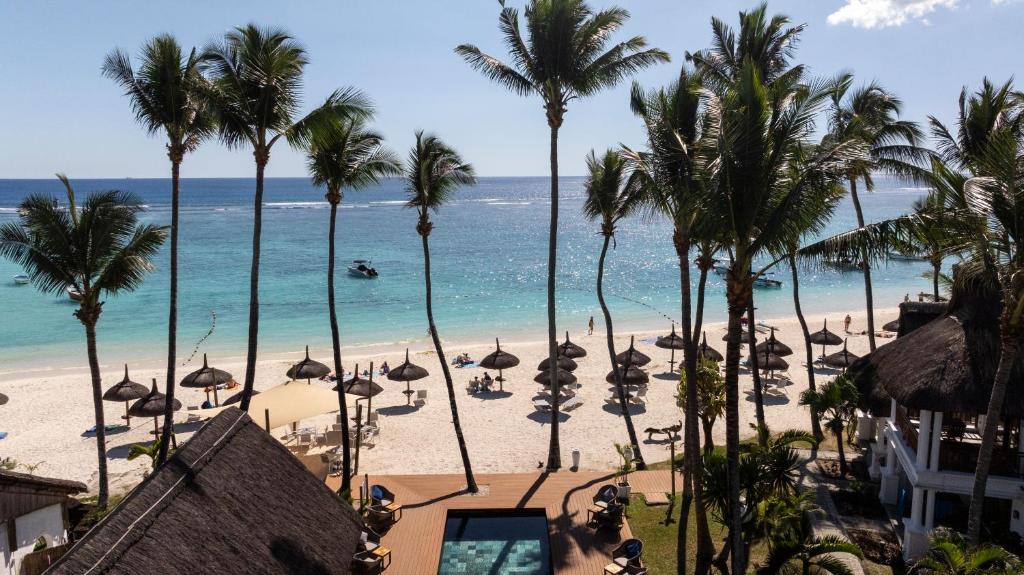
[48, 412]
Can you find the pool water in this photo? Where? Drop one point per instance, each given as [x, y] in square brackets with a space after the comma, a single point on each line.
[495, 543]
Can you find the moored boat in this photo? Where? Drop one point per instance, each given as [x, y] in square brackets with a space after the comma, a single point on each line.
[21, 279]
[362, 268]
[74, 294]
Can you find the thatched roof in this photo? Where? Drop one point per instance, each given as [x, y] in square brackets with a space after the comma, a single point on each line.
[231, 500]
[22, 493]
[10, 480]
[945, 364]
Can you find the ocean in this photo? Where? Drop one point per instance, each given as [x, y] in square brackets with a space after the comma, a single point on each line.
[488, 251]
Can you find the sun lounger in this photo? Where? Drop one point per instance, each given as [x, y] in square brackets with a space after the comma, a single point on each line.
[541, 405]
[421, 398]
[572, 403]
[639, 398]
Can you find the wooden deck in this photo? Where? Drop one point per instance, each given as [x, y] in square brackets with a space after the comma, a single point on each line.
[416, 540]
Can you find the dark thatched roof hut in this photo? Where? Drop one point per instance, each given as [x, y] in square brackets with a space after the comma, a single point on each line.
[944, 364]
[230, 500]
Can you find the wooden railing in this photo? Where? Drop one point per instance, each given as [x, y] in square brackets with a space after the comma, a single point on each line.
[960, 456]
[906, 427]
[36, 563]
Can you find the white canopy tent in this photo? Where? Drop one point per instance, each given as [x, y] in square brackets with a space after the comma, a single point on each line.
[289, 402]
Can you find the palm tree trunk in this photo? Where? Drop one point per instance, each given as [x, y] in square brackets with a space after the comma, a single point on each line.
[630, 430]
[254, 282]
[693, 469]
[815, 423]
[842, 451]
[346, 458]
[738, 290]
[97, 404]
[470, 481]
[709, 442]
[554, 448]
[762, 438]
[936, 271]
[172, 319]
[869, 299]
[1007, 357]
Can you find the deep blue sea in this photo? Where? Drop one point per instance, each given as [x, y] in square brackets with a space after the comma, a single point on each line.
[489, 250]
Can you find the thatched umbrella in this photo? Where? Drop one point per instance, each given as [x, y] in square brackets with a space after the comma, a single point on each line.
[707, 351]
[126, 390]
[152, 405]
[3, 399]
[825, 337]
[407, 372]
[564, 378]
[237, 397]
[570, 349]
[774, 346]
[744, 336]
[633, 376]
[632, 357]
[893, 326]
[671, 341]
[361, 387]
[205, 377]
[841, 358]
[308, 369]
[561, 361]
[769, 362]
[502, 360]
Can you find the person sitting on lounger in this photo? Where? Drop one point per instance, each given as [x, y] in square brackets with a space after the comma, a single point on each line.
[384, 368]
[488, 380]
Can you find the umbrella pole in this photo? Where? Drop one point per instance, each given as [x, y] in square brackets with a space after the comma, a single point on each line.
[127, 416]
[408, 393]
[156, 430]
[216, 400]
[672, 361]
[501, 380]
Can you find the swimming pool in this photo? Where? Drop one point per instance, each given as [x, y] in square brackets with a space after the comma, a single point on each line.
[498, 542]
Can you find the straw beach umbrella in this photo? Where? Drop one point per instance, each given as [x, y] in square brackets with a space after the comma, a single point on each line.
[774, 346]
[238, 397]
[562, 362]
[744, 334]
[825, 337]
[769, 362]
[633, 376]
[632, 357]
[362, 387]
[564, 378]
[842, 358]
[3, 399]
[152, 405]
[707, 351]
[126, 390]
[893, 326]
[570, 349]
[501, 360]
[205, 377]
[407, 372]
[308, 369]
[671, 341]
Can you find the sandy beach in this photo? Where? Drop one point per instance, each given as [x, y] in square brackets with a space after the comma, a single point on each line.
[48, 412]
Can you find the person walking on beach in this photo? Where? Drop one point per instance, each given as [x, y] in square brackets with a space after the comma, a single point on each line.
[846, 323]
[590, 326]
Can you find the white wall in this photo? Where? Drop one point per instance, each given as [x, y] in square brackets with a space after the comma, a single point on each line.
[47, 522]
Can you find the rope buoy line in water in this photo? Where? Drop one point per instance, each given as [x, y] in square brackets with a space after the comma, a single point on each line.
[195, 350]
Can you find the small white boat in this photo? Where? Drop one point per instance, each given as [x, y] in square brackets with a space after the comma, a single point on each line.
[74, 294]
[362, 269]
[21, 279]
[901, 257]
[720, 269]
[767, 282]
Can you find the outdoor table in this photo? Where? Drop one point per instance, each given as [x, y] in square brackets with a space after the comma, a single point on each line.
[614, 569]
[395, 509]
[385, 554]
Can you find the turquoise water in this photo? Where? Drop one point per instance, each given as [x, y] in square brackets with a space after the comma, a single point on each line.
[477, 543]
[489, 250]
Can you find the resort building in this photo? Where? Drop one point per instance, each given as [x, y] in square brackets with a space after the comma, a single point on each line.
[33, 512]
[232, 499]
[924, 399]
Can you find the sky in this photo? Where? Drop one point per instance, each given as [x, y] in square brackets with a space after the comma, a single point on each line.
[57, 113]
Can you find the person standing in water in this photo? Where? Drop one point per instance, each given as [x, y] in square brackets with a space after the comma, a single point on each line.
[590, 326]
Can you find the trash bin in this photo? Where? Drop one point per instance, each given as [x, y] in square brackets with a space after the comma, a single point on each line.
[575, 457]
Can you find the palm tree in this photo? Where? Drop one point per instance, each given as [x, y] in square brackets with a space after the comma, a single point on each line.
[836, 401]
[98, 249]
[167, 94]
[807, 554]
[672, 176]
[870, 115]
[710, 398]
[257, 78]
[348, 156]
[791, 252]
[949, 554]
[565, 57]
[608, 200]
[433, 172]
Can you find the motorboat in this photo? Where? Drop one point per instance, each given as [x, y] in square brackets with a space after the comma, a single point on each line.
[845, 264]
[766, 282]
[905, 257]
[720, 269]
[362, 269]
[21, 279]
[74, 294]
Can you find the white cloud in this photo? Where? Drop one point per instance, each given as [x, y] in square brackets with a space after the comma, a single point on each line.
[885, 13]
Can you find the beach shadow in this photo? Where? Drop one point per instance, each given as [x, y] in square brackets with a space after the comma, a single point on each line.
[490, 395]
[121, 451]
[112, 431]
[188, 426]
[664, 440]
[769, 398]
[397, 410]
[545, 417]
[631, 408]
[666, 376]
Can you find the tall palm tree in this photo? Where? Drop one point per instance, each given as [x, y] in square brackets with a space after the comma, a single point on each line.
[673, 176]
[167, 94]
[257, 78]
[566, 56]
[792, 247]
[99, 249]
[762, 199]
[870, 115]
[807, 553]
[347, 156]
[608, 200]
[836, 401]
[433, 172]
